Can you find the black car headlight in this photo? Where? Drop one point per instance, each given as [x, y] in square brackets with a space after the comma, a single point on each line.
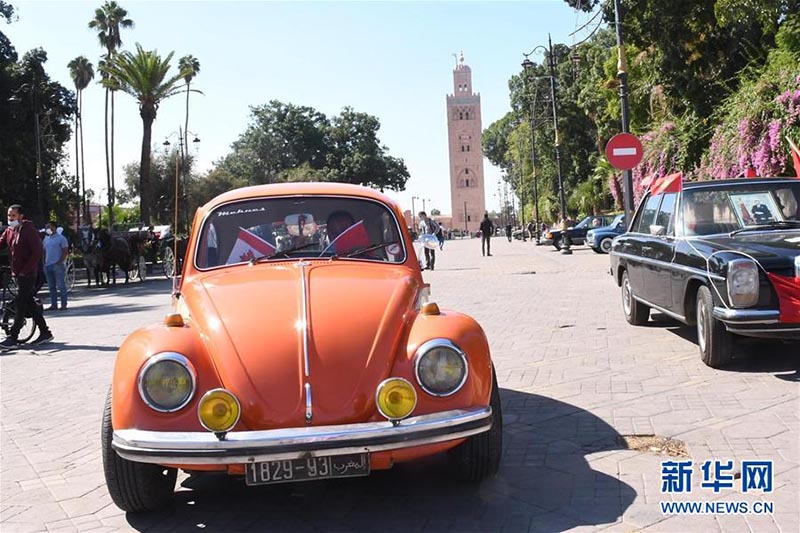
[167, 382]
[743, 283]
[440, 367]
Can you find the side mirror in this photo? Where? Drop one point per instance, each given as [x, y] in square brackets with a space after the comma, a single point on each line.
[655, 229]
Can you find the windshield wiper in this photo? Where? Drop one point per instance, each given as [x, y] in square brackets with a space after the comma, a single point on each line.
[377, 246]
[778, 224]
[284, 252]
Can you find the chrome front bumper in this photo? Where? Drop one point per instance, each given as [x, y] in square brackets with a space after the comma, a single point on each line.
[746, 316]
[196, 448]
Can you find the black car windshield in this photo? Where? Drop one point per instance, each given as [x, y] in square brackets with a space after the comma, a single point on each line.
[716, 210]
[268, 229]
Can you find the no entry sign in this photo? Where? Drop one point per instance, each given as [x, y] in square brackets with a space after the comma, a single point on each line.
[624, 151]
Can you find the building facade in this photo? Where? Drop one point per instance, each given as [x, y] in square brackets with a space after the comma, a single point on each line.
[467, 194]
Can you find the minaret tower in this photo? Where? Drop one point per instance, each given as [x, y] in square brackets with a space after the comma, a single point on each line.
[466, 156]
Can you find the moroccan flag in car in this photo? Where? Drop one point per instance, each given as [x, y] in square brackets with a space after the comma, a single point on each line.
[248, 247]
[352, 238]
[788, 290]
[795, 157]
[668, 183]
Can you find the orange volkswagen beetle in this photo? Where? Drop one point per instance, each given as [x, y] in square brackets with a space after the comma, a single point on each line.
[302, 346]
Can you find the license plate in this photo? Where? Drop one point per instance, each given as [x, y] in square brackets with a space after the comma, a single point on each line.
[310, 468]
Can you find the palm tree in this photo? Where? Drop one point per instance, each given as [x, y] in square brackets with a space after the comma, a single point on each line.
[82, 73]
[143, 75]
[108, 20]
[189, 67]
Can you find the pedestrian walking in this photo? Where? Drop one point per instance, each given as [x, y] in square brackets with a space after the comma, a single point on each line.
[56, 250]
[25, 252]
[532, 230]
[427, 227]
[487, 230]
[508, 232]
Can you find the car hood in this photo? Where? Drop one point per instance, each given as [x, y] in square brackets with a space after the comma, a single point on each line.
[253, 323]
[773, 249]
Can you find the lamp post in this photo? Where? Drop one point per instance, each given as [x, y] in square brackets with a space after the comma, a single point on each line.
[414, 213]
[527, 64]
[15, 99]
[183, 145]
[622, 74]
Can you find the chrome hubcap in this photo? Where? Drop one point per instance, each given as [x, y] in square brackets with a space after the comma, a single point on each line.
[626, 297]
[701, 325]
[606, 245]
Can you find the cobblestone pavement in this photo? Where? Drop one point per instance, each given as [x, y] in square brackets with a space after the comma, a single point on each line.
[574, 377]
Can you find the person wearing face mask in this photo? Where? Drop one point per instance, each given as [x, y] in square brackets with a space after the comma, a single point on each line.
[56, 249]
[25, 252]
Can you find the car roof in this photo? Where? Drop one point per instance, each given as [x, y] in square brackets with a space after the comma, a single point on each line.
[737, 181]
[298, 189]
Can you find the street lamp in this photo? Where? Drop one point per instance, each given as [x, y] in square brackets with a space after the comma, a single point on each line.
[527, 65]
[622, 74]
[183, 145]
[15, 99]
[414, 213]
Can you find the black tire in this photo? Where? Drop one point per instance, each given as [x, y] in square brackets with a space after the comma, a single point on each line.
[479, 457]
[605, 245]
[636, 313]
[134, 487]
[714, 340]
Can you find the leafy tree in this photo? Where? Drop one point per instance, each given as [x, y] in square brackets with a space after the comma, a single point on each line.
[82, 72]
[435, 212]
[108, 20]
[144, 76]
[286, 142]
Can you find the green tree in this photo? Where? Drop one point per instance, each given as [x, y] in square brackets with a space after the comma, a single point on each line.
[82, 72]
[144, 76]
[108, 21]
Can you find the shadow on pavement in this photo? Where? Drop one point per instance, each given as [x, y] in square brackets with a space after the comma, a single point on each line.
[103, 308]
[159, 285]
[544, 484]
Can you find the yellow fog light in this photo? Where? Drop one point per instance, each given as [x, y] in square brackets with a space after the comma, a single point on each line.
[218, 410]
[396, 398]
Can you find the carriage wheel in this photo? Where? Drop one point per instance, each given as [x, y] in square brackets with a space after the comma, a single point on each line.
[142, 268]
[69, 275]
[169, 263]
[133, 269]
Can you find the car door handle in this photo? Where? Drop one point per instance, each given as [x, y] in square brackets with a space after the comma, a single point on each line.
[646, 248]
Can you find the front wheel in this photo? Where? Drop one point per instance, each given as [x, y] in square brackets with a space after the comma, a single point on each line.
[713, 338]
[636, 313]
[605, 245]
[134, 487]
[479, 457]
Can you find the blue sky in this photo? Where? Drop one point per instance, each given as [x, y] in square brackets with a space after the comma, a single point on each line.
[390, 59]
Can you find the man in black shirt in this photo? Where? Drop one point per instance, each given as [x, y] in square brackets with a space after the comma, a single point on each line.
[487, 230]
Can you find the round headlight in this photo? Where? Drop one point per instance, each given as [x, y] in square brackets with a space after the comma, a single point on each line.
[395, 398]
[218, 410]
[167, 381]
[441, 367]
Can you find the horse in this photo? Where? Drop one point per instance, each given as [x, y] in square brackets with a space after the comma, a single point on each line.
[113, 252]
[87, 242]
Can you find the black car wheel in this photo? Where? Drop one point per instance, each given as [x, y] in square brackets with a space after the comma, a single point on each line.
[134, 487]
[605, 245]
[479, 457]
[636, 313]
[714, 340]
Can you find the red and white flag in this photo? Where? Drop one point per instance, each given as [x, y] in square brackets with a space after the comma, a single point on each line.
[248, 247]
[795, 157]
[350, 239]
[668, 183]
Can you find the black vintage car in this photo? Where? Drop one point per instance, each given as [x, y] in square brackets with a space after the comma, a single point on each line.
[724, 255]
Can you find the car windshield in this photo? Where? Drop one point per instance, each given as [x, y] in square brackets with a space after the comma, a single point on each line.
[312, 226]
[725, 209]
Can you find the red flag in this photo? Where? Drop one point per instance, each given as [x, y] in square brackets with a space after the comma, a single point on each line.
[249, 246]
[352, 238]
[750, 172]
[668, 183]
[795, 157]
[788, 291]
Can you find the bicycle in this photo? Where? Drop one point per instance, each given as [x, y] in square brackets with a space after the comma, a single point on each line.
[8, 309]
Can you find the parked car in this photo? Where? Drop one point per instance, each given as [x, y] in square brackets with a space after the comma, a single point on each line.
[315, 357]
[722, 255]
[577, 233]
[599, 239]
